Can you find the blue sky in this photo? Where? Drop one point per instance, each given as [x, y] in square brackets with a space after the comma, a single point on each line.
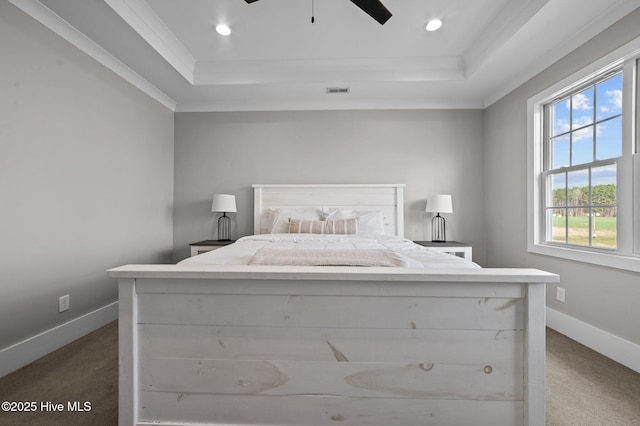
[569, 116]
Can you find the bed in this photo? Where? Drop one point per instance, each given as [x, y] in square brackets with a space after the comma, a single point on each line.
[438, 342]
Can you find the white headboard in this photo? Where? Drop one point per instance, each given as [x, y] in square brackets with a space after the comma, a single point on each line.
[387, 198]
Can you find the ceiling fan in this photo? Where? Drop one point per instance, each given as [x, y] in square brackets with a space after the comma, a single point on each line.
[373, 8]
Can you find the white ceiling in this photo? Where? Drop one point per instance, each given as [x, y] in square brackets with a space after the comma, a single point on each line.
[276, 59]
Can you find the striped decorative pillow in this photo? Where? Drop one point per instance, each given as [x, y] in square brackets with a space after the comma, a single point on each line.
[343, 226]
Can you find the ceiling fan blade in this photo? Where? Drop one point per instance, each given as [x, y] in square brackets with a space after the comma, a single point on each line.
[373, 8]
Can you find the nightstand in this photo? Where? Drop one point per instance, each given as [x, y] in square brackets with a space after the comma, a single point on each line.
[208, 245]
[452, 247]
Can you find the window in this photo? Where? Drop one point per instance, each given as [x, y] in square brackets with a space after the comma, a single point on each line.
[582, 154]
[581, 148]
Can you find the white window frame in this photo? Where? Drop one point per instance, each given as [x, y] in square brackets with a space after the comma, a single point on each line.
[627, 254]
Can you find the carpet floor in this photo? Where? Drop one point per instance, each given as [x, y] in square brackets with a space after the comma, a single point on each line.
[583, 387]
[85, 370]
[586, 388]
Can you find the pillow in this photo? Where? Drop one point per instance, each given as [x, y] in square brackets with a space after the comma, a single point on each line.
[280, 218]
[342, 226]
[369, 222]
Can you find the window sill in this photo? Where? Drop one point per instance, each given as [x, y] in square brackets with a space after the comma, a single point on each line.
[609, 259]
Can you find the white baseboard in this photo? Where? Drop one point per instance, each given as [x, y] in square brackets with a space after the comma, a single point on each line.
[29, 350]
[618, 349]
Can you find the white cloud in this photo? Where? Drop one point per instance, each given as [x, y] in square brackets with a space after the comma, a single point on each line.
[562, 126]
[586, 133]
[615, 97]
[599, 129]
[582, 121]
[603, 171]
[581, 102]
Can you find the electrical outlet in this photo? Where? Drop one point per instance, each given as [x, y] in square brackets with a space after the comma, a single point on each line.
[64, 303]
[560, 293]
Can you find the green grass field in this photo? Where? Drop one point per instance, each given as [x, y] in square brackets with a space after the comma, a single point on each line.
[604, 231]
[583, 222]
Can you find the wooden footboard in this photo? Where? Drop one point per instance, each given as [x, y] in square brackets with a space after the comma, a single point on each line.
[318, 346]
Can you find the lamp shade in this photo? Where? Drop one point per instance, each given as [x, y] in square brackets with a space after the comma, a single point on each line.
[224, 203]
[440, 203]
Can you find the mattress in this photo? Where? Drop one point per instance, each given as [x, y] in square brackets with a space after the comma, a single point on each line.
[248, 250]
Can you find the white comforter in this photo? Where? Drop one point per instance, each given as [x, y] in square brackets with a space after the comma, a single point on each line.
[243, 250]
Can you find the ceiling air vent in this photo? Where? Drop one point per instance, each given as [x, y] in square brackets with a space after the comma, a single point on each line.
[332, 90]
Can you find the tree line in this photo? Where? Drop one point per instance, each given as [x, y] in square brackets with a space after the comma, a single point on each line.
[601, 195]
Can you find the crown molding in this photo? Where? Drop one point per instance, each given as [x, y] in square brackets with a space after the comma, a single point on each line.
[141, 17]
[55, 23]
[563, 48]
[504, 26]
[333, 105]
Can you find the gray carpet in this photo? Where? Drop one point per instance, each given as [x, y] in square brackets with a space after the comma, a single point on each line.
[586, 388]
[583, 388]
[84, 370]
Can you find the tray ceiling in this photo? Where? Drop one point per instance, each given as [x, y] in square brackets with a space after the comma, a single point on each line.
[276, 59]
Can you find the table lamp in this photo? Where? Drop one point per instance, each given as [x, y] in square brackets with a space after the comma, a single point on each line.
[224, 203]
[439, 203]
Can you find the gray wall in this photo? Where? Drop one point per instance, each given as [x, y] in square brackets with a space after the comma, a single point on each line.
[603, 297]
[86, 178]
[431, 151]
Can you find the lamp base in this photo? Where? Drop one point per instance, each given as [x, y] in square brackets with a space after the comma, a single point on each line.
[224, 228]
[438, 232]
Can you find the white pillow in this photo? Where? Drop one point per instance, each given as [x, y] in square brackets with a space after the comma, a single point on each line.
[369, 222]
[280, 218]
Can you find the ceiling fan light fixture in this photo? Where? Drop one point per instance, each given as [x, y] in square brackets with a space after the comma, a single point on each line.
[433, 25]
[223, 30]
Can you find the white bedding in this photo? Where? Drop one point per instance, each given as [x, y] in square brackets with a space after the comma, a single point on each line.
[415, 256]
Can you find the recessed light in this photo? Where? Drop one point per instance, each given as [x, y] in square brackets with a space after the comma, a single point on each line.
[433, 25]
[223, 30]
